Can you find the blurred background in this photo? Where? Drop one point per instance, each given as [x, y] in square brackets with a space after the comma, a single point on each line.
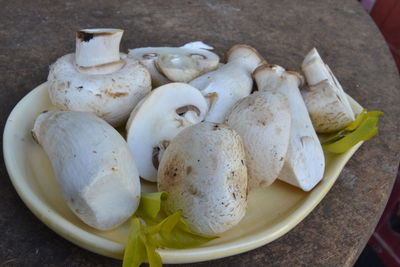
[386, 14]
[383, 248]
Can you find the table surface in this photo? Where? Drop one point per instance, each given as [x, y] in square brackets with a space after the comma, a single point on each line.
[33, 34]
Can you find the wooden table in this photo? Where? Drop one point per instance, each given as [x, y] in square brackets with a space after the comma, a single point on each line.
[33, 34]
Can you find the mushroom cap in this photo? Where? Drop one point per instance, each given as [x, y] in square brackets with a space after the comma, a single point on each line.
[328, 112]
[246, 54]
[111, 97]
[93, 166]
[263, 120]
[229, 83]
[177, 64]
[204, 172]
[165, 112]
[325, 98]
[276, 77]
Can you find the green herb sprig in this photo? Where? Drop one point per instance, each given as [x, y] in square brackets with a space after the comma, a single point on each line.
[149, 231]
[363, 128]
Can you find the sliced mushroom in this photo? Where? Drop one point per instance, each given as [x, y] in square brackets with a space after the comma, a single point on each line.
[176, 64]
[263, 120]
[304, 165]
[204, 172]
[97, 78]
[93, 166]
[325, 99]
[165, 112]
[230, 83]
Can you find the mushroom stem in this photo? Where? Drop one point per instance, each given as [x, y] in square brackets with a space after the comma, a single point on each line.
[97, 50]
[92, 164]
[314, 68]
[230, 82]
[304, 164]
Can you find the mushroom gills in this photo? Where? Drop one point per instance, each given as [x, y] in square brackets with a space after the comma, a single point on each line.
[305, 163]
[204, 172]
[158, 152]
[179, 67]
[176, 64]
[93, 166]
[165, 112]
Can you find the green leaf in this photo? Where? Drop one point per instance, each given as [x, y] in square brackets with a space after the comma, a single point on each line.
[362, 129]
[154, 258]
[150, 204]
[167, 224]
[135, 250]
[170, 222]
[353, 125]
[150, 231]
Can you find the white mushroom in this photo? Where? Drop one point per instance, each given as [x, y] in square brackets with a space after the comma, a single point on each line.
[204, 172]
[176, 64]
[93, 166]
[325, 99]
[165, 112]
[97, 78]
[305, 163]
[230, 83]
[263, 120]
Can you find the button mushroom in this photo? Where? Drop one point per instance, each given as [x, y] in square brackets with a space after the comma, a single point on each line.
[165, 112]
[93, 166]
[263, 120]
[231, 82]
[204, 172]
[305, 163]
[325, 99]
[97, 78]
[176, 64]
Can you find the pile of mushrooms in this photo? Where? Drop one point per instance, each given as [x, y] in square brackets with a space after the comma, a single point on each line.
[192, 125]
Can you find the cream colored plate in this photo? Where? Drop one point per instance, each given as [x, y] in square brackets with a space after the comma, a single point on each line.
[271, 213]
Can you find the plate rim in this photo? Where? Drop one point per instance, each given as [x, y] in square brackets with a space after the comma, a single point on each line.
[90, 241]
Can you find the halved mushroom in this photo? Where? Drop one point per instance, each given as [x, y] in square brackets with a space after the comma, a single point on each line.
[325, 99]
[165, 112]
[230, 83]
[93, 166]
[176, 64]
[304, 165]
[97, 78]
[263, 120]
[204, 172]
